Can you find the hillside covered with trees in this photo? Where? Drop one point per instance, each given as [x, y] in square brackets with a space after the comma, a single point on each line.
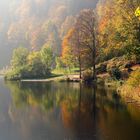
[98, 38]
[33, 23]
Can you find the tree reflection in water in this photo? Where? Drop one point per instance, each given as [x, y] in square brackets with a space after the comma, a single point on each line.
[74, 110]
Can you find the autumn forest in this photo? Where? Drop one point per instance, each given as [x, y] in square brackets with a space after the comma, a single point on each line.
[70, 70]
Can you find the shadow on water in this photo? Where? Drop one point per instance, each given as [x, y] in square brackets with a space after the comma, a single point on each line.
[71, 111]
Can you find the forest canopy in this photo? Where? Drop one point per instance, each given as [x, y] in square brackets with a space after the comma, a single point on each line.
[73, 34]
[32, 23]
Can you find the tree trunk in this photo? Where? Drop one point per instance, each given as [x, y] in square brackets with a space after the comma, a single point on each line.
[94, 56]
[94, 73]
[94, 60]
[80, 68]
[94, 67]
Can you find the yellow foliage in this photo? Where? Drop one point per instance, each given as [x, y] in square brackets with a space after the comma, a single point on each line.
[134, 79]
[32, 56]
[131, 88]
[137, 12]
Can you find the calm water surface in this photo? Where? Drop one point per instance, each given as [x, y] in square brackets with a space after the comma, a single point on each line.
[62, 111]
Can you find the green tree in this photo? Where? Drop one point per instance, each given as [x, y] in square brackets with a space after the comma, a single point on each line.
[19, 57]
[47, 56]
[35, 65]
[59, 63]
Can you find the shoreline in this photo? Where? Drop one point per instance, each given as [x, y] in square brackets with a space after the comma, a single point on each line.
[54, 79]
[128, 100]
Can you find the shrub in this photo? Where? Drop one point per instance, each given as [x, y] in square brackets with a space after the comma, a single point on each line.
[124, 74]
[101, 68]
[27, 72]
[87, 76]
[131, 88]
[115, 73]
[134, 80]
[13, 74]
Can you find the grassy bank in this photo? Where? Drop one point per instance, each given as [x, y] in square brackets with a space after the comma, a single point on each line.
[131, 88]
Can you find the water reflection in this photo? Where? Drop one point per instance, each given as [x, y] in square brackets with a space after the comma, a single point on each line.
[62, 111]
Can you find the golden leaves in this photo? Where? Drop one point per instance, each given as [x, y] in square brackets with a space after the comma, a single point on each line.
[137, 12]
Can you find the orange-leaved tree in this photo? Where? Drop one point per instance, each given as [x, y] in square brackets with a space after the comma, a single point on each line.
[86, 23]
[67, 51]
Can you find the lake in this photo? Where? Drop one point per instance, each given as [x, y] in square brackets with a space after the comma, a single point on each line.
[65, 111]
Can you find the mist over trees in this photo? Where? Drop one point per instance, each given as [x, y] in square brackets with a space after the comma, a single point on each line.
[33, 23]
[78, 34]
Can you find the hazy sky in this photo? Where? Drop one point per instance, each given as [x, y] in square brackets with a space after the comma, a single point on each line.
[4, 7]
[6, 4]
